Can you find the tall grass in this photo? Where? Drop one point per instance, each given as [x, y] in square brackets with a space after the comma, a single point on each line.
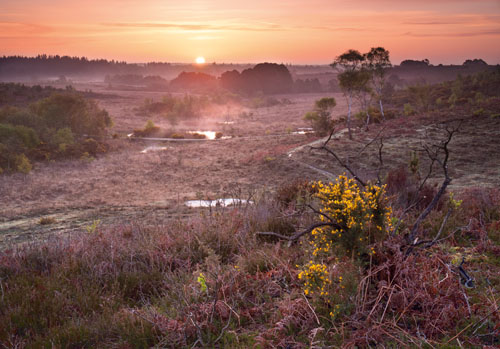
[212, 282]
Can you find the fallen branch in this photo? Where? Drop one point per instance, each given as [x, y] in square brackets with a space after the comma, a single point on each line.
[298, 235]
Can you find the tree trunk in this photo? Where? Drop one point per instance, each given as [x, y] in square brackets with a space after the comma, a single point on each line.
[381, 108]
[367, 118]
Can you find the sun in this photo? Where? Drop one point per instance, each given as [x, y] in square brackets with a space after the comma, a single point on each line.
[200, 60]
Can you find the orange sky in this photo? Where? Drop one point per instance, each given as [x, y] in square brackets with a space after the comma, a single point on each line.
[291, 31]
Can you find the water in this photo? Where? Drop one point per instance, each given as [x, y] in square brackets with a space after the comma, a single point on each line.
[210, 135]
[153, 148]
[218, 202]
[207, 134]
[303, 131]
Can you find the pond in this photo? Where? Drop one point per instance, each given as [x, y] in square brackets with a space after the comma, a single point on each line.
[219, 202]
[153, 148]
[207, 134]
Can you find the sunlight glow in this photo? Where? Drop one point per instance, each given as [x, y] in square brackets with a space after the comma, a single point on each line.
[200, 60]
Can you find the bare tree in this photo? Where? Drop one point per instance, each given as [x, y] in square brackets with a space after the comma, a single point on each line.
[440, 154]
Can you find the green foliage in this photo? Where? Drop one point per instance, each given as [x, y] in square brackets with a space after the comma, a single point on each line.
[63, 138]
[325, 103]
[72, 110]
[92, 228]
[263, 102]
[175, 108]
[18, 136]
[478, 112]
[408, 110]
[421, 96]
[452, 100]
[23, 165]
[149, 129]
[465, 92]
[51, 127]
[320, 118]
[414, 164]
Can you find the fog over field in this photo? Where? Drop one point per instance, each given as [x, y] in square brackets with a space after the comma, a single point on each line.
[307, 178]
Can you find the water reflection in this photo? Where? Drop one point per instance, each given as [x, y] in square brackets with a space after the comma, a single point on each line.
[153, 148]
[218, 202]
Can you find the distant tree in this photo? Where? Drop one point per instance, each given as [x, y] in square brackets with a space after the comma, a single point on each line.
[364, 92]
[409, 63]
[23, 165]
[320, 117]
[475, 62]
[266, 78]
[377, 62]
[351, 80]
[421, 96]
[307, 85]
[194, 80]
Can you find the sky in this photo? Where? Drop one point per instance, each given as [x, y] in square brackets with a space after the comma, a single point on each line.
[243, 31]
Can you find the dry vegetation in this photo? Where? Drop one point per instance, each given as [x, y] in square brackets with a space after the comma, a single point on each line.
[139, 269]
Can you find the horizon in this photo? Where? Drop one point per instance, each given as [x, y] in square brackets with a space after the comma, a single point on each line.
[208, 63]
[443, 31]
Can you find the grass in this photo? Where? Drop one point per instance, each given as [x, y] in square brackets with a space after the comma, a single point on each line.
[211, 281]
[139, 286]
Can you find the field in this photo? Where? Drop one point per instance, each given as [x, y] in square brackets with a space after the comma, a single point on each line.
[109, 253]
[126, 183]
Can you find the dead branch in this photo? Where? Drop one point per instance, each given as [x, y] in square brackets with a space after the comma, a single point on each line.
[320, 213]
[434, 156]
[370, 142]
[430, 243]
[325, 147]
[298, 235]
[380, 161]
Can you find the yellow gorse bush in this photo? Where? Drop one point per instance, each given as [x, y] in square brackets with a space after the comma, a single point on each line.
[361, 217]
[316, 279]
[361, 213]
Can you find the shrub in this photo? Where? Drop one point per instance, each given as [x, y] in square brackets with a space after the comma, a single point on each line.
[408, 110]
[478, 112]
[403, 187]
[23, 165]
[47, 220]
[293, 193]
[263, 102]
[149, 129]
[198, 135]
[362, 214]
[72, 110]
[320, 118]
[18, 136]
[52, 127]
[186, 107]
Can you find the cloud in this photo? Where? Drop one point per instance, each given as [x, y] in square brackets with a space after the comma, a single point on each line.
[493, 32]
[431, 23]
[197, 27]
